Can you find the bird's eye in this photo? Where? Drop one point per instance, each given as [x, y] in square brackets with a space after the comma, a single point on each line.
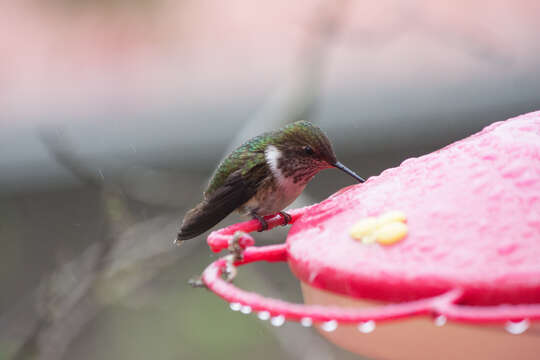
[308, 150]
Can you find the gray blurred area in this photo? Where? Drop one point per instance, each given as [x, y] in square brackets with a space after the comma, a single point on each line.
[113, 115]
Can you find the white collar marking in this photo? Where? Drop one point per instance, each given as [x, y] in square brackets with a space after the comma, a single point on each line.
[272, 155]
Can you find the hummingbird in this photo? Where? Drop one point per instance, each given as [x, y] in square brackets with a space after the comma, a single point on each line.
[263, 176]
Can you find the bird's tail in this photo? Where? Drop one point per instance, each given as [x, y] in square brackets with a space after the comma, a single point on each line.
[199, 219]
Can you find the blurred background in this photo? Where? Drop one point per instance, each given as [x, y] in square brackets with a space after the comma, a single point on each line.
[114, 113]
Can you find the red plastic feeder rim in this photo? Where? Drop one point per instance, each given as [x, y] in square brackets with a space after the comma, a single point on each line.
[486, 186]
[443, 307]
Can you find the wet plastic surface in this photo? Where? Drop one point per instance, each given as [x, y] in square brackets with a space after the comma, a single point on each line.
[473, 215]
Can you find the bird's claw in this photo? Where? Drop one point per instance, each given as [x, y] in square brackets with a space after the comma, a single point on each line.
[235, 248]
[262, 222]
[287, 218]
[236, 253]
[229, 273]
[264, 225]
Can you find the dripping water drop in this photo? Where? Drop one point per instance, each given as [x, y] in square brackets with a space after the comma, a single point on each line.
[366, 327]
[517, 327]
[306, 321]
[329, 326]
[440, 320]
[263, 315]
[246, 309]
[278, 320]
[235, 306]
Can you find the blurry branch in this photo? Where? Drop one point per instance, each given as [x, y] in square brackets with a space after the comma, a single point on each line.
[474, 39]
[297, 96]
[158, 188]
[143, 184]
[124, 257]
[129, 252]
[64, 306]
[296, 99]
[65, 154]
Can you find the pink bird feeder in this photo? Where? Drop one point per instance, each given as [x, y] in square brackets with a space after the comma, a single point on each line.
[438, 258]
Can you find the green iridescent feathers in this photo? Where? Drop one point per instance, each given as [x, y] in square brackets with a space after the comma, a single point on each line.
[241, 174]
[251, 153]
[244, 159]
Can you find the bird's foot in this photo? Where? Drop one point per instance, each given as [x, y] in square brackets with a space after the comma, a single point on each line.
[235, 248]
[287, 218]
[264, 224]
[236, 253]
[229, 273]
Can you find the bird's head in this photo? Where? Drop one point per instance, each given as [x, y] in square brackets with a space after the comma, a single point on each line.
[300, 150]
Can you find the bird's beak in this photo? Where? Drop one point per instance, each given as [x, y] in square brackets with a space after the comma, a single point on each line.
[343, 168]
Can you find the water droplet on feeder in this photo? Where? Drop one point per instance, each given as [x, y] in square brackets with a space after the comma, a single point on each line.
[518, 327]
[263, 315]
[366, 327]
[312, 276]
[329, 326]
[235, 306]
[246, 309]
[440, 320]
[278, 320]
[306, 321]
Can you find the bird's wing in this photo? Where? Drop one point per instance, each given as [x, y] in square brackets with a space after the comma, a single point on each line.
[237, 189]
[247, 157]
